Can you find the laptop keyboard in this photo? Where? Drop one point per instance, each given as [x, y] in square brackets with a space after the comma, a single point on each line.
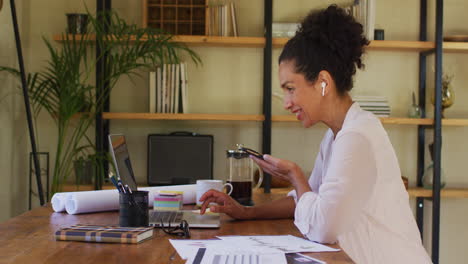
[167, 216]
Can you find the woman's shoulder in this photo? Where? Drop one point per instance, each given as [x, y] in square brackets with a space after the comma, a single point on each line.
[362, 122]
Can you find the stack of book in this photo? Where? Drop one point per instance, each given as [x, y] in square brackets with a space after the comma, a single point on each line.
[364, 12]
[222, 20]
[168, 89]
[378, 105]
[284, 30]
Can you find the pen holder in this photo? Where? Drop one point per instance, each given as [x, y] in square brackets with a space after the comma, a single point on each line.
[133, 209]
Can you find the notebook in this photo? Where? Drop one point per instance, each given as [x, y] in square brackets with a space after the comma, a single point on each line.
[123, 167]
[109, 234]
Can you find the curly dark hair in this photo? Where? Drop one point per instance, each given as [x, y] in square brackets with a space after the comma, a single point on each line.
[328, 40]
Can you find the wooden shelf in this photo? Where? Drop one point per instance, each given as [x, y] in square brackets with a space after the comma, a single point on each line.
[177, 21]
[259, 42]
[401, 45]
[446, 193]
[390, 120]
[208, 117]
[385, 120]
[406, 121]
[176, 5]
[455, 122]
[450, 47]
[381, 45]
[458, 47]
[208, 41]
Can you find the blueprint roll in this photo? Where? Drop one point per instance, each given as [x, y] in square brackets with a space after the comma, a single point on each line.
[59, 200]
[92, 201]
[108, 200]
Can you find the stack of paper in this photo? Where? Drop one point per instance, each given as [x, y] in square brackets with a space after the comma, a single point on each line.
[246, 249]
[378, 105]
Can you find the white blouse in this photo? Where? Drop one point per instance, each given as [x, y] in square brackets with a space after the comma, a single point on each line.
[358, 197]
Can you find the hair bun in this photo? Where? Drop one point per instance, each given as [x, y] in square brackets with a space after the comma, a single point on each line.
[334, 29]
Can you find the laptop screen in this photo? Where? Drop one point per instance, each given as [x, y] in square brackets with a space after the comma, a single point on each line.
[123, 166]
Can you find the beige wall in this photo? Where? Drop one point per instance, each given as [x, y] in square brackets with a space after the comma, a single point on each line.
[230, 81]
[13, 136]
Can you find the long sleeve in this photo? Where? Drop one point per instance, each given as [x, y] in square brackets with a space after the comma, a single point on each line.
[348, 183]
[315, 178]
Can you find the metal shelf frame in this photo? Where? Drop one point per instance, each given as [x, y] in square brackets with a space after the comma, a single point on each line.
[437, 125]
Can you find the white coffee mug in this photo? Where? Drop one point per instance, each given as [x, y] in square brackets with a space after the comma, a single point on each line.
[205, 185]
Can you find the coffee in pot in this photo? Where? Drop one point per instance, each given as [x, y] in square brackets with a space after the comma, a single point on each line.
[241, 170]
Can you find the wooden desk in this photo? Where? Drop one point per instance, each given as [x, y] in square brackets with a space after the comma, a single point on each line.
[29, 238]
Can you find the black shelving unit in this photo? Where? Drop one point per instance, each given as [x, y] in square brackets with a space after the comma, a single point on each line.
[267, 89]
[102, 125]
[437, 126]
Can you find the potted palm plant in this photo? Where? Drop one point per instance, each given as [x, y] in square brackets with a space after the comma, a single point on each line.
[64, 87]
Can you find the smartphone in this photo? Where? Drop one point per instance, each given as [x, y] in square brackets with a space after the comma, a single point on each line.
[252, 152]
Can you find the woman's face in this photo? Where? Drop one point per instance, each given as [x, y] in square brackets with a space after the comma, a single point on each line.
[301, 97]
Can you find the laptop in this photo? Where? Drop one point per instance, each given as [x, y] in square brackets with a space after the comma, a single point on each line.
[123, 168]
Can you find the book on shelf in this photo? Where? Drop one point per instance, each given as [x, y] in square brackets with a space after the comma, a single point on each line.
[364, 12]
[170, 96]
[104, 234]
[163, 88]
[375, 108]
[378, 105]
[222, 20]
[177, 89]
[234, 20]
[171, 90]
[158, 90]
[184, 88]
[372, 104]
[152, 92]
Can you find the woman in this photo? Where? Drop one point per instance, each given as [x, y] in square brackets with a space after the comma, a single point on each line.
[355, 195]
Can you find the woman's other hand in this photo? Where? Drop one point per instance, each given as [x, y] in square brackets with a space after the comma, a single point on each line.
[225, 204]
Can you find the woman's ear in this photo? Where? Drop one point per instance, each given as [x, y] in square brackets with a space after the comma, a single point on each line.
[325, 80]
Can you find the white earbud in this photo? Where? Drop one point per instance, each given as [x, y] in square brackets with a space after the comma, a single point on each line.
[323, 88]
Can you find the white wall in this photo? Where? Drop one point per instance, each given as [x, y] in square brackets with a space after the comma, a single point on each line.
[230, 81]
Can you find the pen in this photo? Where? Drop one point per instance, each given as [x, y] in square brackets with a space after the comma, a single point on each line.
[128, 189]
[114, 181]
[121, 187]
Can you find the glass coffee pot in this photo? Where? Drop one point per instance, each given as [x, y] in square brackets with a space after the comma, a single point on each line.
[241, 169]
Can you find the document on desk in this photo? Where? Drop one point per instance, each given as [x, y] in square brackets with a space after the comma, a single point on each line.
[213, 255]
[249, 249]
[187, 248]
[285, 244]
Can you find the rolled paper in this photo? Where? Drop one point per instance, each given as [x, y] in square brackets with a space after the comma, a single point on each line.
[59, 200]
